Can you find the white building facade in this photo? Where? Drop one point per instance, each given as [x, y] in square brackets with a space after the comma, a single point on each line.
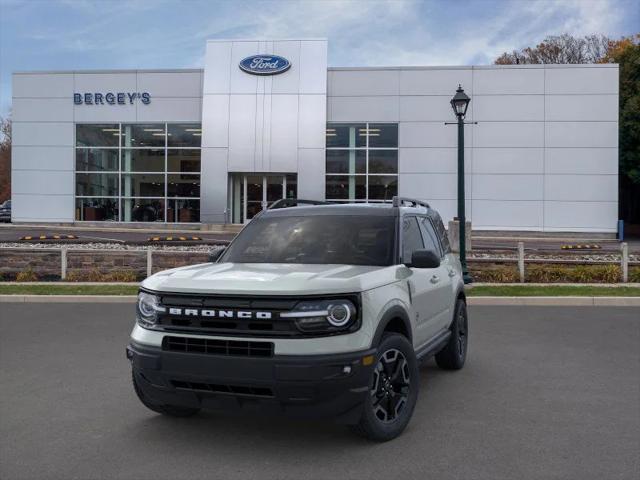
[217, 145]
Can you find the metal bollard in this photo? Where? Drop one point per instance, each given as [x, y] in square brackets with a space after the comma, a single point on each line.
[63, 263]
[521, 261]
[625, 261]
[149, 261]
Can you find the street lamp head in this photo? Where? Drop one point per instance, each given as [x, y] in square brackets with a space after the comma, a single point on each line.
[460, 102]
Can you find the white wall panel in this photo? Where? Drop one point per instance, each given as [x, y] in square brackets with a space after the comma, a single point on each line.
[217, 79]
[508, 160]
[43, 85]
[509, 134]
[431, 134]
[105, 113]
[582, 107]
[289, 81]
[42, 134]
[507, 187]
[581, 187]
[435, 81]
[431, 185]
[242, 133]
[581, 134]
[573, 80]
[351, 83]
[311, 121]
[581, 160]
[171, 110]
[40, 182]
[516, 108]
[213, 195]
[513, 215]
[42, 110]
[42, 208]
[508, 81]
[581, 216]
[170, 84]
[432, 160]
[313, 67]
[105, 82]
[241, 82]
[426, 108]
[215, 121]
[380, 109]
[42, 158]
[284, 139]
[311, 167]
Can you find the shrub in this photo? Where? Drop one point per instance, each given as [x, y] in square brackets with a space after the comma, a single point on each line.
[494, 273]
[27, 275]
[555, 273]
[634, 274]
[95, 275]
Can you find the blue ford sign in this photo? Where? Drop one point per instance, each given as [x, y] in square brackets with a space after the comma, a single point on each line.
[265, 64]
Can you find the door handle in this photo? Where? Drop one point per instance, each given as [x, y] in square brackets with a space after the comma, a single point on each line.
[435, 279]
[452, 273]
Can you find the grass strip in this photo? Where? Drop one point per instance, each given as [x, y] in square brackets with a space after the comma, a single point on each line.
[54, 289]
[551, 291]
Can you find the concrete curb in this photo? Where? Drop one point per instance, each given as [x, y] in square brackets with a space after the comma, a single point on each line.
[476, 301]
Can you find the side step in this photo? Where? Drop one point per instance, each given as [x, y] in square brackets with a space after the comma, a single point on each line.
[434, 345]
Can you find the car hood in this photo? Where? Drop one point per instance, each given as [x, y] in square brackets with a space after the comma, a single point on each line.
[269, 278]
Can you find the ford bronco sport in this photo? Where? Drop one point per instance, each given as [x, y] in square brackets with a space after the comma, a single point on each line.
[313, 310]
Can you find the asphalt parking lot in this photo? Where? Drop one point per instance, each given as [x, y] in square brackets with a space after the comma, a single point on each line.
[547, 393]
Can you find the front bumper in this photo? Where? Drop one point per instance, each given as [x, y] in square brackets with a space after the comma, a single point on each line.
[309, 386]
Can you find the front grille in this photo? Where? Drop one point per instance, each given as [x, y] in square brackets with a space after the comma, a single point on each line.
[218, 347]
[219, 388]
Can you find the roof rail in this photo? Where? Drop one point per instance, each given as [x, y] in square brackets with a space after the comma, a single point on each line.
[399, 201]
[294, 202]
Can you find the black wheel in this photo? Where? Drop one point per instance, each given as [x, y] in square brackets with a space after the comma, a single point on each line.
[393, 390]
[454, 354]
[169, 410]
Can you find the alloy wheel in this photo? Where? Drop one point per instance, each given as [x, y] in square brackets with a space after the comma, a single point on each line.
[391, 385]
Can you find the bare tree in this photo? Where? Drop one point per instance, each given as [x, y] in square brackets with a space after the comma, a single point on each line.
[560, 49]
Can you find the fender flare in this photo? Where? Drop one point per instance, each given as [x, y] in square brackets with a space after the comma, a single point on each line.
[396, 311]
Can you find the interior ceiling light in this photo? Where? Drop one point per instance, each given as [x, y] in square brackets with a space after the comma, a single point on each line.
[153, 129]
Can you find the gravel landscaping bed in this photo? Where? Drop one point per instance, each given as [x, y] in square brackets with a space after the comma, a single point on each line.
[111, 246]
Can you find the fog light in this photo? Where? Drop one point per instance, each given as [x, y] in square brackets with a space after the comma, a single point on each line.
[368, 360]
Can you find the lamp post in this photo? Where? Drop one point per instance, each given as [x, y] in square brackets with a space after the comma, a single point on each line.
[460, 103]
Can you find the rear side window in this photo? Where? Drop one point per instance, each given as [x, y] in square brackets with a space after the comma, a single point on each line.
[441, 232]
[430, 238]
[411, 238]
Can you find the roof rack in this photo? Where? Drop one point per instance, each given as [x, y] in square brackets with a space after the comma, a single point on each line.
[294, 202]
[400, 201]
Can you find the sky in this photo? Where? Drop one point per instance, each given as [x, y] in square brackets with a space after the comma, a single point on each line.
[107, 34]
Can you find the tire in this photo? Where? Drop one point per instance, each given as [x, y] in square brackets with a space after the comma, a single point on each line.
[394, 387]
[169, 410]
[454, 354]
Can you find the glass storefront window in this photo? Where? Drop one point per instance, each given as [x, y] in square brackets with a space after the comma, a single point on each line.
[346, 135]
[382, 187]
[143, 185]
[143, 160]
[346, 161]
[183, 185]
[144, 135]
[292, 186]
[143, 209]
[149, 172]
[346, 187]
[365, 157]
[96, 185]
[96, 209]
[383, 161]
[97, 135]
[185, 161]
[96, 159]
[184, 135]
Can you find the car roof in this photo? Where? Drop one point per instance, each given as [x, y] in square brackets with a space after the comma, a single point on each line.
[347, 209]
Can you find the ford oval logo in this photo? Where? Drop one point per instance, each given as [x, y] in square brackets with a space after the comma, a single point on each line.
[265, 64]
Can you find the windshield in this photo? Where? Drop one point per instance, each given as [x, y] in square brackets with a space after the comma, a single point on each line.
[323, 239]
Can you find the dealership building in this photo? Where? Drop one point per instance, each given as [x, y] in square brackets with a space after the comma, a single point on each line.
[264, 120]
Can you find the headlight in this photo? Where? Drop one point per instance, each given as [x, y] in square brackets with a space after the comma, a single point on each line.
[323, 315]
[147, 309]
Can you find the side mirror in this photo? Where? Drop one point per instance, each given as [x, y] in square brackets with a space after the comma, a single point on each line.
[424, 259]
[215, 254]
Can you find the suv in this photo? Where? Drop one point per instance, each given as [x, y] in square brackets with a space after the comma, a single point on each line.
[312, 310]
[5, 211]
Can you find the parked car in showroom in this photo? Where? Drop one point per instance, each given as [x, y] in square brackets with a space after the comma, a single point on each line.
[317, 310]
[5, 211]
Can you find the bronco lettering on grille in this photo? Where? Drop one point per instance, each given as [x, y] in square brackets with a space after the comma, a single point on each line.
[208, 313]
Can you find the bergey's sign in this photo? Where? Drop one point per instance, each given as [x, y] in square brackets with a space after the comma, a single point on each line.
[109, 98]
[265, 64]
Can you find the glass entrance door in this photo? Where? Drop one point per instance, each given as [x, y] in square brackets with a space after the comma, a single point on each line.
[252, 193]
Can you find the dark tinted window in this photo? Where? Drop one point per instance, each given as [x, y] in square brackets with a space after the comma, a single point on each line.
[430, 238]
[411, 238]
[349, 240]
[442, 233]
